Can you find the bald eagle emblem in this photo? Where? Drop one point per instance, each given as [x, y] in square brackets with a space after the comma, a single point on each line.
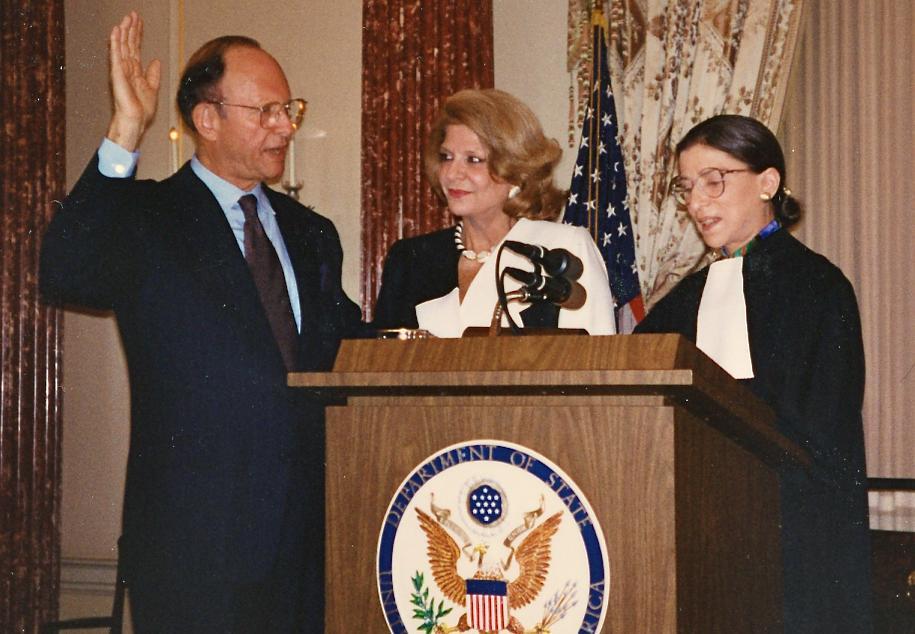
[488, 596]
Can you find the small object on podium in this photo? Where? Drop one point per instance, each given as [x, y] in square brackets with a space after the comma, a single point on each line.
[534, 331]
[403, 334]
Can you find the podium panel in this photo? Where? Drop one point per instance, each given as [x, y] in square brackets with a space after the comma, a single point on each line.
[678, 462]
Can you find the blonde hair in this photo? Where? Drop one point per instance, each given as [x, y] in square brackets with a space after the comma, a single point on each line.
[518, 152]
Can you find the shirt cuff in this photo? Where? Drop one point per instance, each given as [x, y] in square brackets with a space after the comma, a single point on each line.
[114, 161]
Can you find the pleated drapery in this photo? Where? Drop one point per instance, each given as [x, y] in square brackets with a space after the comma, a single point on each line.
[415, 53]
[849, 131]
[31, 178]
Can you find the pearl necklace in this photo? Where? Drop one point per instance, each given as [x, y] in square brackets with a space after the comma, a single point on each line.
[478, 256]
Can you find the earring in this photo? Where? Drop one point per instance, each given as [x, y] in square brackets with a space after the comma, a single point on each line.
[514, 191]
[765, 197]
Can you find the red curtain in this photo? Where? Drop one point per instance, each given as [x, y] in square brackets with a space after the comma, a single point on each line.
[415, 53]
[31, 178]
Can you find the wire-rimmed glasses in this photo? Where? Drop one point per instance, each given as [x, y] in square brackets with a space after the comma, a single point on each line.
[709, 182]
[272, 113]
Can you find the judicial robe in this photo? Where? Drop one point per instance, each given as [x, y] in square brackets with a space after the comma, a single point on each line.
[808, 364]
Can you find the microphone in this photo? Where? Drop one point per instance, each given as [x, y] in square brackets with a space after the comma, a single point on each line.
[556, 290]
[555, 262]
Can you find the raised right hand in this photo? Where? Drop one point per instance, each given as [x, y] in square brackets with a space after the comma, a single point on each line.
[135, 91]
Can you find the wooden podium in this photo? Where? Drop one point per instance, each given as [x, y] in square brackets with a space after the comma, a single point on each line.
[678, 461]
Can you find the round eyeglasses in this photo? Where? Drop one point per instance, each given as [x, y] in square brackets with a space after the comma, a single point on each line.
[272, 113]
[710, 183]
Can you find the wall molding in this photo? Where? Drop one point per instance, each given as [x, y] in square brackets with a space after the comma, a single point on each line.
[88, 576]
[892, 510]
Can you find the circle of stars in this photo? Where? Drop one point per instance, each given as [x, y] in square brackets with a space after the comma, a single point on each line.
[485, 504]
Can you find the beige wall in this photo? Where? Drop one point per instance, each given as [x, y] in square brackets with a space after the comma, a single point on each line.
[530, 62]
[95, 404]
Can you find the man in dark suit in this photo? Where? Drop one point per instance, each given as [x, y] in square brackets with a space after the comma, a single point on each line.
[223, 511]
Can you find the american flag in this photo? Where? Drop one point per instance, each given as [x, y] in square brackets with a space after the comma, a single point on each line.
[487, 605]
[597, 195]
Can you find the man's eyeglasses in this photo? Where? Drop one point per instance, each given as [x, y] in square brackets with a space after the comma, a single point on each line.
[272, 113]
[710, 182]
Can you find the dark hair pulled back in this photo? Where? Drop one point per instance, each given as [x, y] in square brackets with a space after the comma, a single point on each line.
[749, 141]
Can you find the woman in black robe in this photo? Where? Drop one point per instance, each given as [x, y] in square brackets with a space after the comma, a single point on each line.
[806, 360]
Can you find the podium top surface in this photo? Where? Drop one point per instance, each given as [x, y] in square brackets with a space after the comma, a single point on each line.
[561, 361]
[537, 352]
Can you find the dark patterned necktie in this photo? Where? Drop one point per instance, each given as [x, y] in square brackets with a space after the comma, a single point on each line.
[271, 284]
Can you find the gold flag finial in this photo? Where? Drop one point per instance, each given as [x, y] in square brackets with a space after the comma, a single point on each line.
[597, 17]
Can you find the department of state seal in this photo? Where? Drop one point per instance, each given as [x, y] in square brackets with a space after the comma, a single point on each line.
[489, 536]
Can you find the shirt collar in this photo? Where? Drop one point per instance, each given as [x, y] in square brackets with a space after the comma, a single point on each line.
[226, 193]
[767, 231]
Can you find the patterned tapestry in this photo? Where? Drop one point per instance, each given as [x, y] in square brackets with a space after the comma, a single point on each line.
[674, 63]
[415, 54]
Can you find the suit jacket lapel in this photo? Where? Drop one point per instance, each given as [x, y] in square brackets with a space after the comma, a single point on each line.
[215, 257]
[304, 264]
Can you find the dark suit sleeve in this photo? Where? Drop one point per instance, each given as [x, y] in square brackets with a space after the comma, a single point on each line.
[396, 305]
[89, 250]
[347, 313]
[328, 314]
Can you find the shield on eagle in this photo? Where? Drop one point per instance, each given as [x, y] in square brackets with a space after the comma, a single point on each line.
[487, 604]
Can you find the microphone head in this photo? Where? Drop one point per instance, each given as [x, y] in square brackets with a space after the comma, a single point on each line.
[561, 263]
[530, 251]
[577, 297]
[559, 290]
[555, 262]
